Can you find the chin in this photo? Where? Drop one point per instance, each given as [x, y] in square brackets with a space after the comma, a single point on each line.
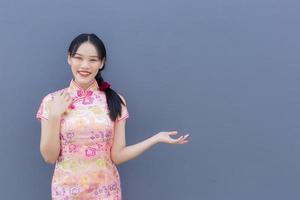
[81, 80]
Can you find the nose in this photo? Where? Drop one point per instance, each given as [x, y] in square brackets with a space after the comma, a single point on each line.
[85, 64]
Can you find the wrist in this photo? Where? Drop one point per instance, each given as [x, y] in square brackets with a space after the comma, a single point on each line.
[156, 139]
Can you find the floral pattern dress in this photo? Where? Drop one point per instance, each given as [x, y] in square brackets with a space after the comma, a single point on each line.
[84, 169]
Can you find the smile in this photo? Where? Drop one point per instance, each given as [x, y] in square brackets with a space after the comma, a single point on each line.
[83, 73]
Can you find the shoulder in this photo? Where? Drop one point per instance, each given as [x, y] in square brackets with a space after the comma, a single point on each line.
[122, 97]
[48, 97]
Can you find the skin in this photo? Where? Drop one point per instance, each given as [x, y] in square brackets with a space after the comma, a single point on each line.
[86, 59]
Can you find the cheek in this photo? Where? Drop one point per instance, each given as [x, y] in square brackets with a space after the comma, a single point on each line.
[95, 72]
[73, 68]
[96, 68]
[75, 65]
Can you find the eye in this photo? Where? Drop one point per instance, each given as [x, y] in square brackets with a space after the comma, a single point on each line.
[93, 60]
[77, 57]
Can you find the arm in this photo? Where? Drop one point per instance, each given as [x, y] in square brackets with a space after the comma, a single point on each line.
[50, 126]
[121, 153]
[50, 140]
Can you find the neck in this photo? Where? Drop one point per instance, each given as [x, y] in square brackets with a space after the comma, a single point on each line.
[85, 86]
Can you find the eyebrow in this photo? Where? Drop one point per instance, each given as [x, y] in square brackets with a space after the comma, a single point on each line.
[90, 56]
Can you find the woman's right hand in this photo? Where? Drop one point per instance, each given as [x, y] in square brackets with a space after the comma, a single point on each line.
[60, 103]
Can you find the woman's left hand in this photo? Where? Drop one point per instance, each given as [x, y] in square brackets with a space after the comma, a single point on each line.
[165, 138]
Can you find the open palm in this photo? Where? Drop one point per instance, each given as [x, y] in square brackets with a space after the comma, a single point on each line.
[165, 137]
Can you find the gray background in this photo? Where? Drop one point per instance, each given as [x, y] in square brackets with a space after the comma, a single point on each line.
[227, 72]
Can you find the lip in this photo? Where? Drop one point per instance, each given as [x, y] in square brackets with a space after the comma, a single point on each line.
[84, 71]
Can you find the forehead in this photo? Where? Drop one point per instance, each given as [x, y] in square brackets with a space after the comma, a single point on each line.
[87, 49]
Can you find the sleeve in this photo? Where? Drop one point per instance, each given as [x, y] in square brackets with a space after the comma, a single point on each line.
[43, 110]
[124, 112]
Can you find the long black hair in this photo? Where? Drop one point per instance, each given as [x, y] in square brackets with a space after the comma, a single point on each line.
[112, 98]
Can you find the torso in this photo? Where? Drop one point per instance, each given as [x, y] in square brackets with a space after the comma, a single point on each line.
[84, 169]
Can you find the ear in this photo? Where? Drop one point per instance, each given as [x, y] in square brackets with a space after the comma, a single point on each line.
[69, 59]
[102, 63]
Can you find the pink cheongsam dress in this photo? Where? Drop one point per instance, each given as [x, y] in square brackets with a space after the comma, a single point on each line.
[84, 169]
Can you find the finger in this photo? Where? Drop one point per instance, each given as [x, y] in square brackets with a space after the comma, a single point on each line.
[186, 136]
[179, 139]
[180, 142]
[184, 142]
[66, 94]
[173, 141]
[69, 99]
[182, 138]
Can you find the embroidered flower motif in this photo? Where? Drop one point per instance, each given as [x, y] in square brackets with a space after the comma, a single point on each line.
[89, 93]
[87, 96]
[117, 197]
[89, 152]
[58, 190]
[100, 163]
[70, 135]
[73, 148]
[69, 164]
[97, 110]
[75, 190]
[92, 188]
[100, 147]
[99, 134]
[79, 93]
[84, 180]
[64, 140]
[88, 100]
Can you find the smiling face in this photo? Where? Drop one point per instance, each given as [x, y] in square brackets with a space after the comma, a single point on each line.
[85, 64]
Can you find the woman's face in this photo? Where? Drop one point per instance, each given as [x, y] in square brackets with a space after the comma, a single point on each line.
[85, 64]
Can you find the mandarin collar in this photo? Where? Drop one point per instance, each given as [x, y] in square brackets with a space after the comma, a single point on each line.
[78, 91]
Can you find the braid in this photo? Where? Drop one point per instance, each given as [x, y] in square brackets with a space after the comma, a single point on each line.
[99, 78]
[112, 98]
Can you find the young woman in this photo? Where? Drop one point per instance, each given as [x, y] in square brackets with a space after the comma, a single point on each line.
[83, 129]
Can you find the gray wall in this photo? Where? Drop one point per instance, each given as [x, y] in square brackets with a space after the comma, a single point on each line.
[227, 72]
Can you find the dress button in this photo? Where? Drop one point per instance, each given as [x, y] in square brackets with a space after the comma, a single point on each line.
[71, 106]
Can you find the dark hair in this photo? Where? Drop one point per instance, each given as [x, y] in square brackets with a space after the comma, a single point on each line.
[112, 98]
